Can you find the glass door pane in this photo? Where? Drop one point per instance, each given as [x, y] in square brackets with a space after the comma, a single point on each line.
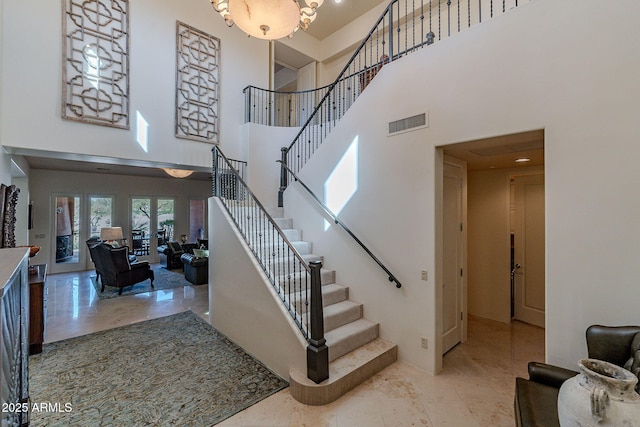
[140, 225]
[165, 221]
[67, 230]
[100, 212]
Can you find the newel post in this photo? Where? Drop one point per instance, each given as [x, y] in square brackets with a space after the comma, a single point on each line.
[216, 180]
[317, 350]
[283, 177]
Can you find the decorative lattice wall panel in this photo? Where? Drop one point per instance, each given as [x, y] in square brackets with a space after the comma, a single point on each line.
[95, 69]
[197, 84]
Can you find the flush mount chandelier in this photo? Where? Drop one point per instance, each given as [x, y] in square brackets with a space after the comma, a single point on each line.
[177, 173]
[268, 19]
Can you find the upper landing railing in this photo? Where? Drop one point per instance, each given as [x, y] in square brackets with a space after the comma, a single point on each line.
[404, 27]
[421, 23]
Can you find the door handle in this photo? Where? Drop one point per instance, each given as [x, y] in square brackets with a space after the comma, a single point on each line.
[515, 267]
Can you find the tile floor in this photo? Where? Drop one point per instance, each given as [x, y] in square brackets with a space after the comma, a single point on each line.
[475, 387]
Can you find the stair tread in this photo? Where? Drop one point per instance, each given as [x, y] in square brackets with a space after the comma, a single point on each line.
[341, 313]
[348, 330]
[340, 306]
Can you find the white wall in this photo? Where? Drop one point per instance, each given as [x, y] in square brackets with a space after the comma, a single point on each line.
[527, 69]
[31, 81]
[263, 148]
[243, 304]
[45, 185]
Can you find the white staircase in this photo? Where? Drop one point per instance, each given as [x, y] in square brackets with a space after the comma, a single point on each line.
[355, 351]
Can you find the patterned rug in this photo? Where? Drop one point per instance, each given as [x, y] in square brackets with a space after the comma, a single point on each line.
[164, 279]
[173, 371]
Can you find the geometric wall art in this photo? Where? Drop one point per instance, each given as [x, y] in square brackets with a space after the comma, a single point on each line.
[95, 69]
[197, 84]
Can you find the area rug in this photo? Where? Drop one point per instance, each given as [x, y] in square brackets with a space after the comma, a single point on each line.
[173, 371]
[164, 279]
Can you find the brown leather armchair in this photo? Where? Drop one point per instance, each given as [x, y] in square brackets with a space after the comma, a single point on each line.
[196, 269]
[536, 399]
[116, 270]
[170, 255]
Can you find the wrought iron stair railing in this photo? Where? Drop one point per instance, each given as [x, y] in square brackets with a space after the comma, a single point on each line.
[404, 27]
[296, 282]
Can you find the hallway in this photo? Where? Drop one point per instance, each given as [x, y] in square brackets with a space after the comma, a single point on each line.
[475, 387]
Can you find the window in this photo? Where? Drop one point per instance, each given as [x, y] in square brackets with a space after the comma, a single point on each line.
[100, 214]
[140, 225]
[165, 220]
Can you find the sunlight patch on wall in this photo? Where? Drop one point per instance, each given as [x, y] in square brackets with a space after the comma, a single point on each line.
[342, 183]
[142, 132]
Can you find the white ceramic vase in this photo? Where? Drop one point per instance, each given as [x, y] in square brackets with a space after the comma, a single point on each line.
[601, 395]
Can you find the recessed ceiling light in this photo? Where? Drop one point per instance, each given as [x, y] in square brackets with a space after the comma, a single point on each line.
[337, 1]
[523, 160]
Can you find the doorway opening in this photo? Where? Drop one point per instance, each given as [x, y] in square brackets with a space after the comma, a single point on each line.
[502, 255]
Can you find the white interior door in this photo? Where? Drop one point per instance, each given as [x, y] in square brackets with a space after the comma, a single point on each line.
[529, 252]
[453, 257]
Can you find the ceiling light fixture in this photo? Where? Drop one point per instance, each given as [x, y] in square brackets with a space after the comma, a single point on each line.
[267, 19]
[177, 173]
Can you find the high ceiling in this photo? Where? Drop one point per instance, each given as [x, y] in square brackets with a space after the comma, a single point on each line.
[332, 16]
[482, 154]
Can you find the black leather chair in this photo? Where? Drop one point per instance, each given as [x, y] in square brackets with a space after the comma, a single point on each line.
[170, 255]
[196, 269]
[116, 269]
[536, 399]
[96, 261]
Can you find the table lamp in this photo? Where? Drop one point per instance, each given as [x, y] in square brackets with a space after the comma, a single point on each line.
[111, 235]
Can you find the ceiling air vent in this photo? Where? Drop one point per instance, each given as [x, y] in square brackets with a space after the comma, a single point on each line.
[407, 124]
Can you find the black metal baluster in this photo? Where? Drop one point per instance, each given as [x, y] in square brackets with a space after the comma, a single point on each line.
[398, 50]
[448, 18]
[439, 22]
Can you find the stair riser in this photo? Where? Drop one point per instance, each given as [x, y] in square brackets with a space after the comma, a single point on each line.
[344, 344]
[284, 223]
[280, 264]
[326, 278]
[266, 246]
[335, 320]
[292, 234]
[329, 296]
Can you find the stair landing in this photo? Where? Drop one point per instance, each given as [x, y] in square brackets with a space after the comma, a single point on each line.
[345, 373]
